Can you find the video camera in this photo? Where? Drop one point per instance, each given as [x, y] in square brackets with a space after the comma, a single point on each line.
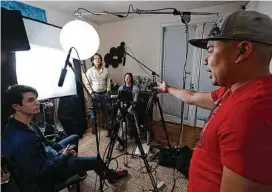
[125, 99]
[152, 86]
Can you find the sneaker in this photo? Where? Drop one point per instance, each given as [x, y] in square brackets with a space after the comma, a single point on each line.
[115, 176]
[119, 147]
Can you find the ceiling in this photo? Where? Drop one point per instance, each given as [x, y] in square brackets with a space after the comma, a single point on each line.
[69, 7]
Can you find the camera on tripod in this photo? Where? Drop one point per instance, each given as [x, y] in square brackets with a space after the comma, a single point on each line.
[125, 100]
[152, 86]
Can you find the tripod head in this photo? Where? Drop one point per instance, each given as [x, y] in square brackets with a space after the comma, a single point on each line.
[153, 87]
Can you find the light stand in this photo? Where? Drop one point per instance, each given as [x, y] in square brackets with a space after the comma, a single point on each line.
[185, 18]
[96, 134]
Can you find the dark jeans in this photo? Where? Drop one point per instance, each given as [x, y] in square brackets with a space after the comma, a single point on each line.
[79, 165]
[100, 102]
[72, 139]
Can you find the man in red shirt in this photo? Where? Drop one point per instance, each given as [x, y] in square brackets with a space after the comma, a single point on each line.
[234, 153]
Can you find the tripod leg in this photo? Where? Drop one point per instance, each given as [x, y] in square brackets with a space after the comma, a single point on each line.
[120, 135]
[94, 131]
[148, 119]
[157, 101]
[125, 131]
[93, 115]
[114, 136]
[143, 155]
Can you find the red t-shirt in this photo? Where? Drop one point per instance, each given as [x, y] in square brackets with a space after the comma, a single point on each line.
[238, 136]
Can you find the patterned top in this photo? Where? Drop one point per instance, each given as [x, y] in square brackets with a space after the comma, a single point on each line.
[99, 80]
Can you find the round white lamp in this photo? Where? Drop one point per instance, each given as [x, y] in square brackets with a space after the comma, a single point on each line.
[82, 36]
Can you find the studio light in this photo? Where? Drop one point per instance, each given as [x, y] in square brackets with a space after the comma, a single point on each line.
[82, 36]
[80, 41]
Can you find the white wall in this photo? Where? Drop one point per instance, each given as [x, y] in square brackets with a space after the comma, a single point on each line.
[264, 7]
[143, 36]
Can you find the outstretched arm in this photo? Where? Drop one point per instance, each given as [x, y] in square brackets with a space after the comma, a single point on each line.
[200, 99]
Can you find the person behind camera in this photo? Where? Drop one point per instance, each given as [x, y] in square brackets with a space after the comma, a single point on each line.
[98, 84]
[129, 88]
[38, 167]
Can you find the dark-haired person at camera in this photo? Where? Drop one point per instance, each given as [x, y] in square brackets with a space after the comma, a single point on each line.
[129, 86]
[38, 167]
[132, 89]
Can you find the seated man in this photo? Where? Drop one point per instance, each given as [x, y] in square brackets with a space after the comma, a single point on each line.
[35, 168]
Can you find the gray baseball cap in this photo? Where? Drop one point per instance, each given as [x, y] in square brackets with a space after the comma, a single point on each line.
[240, 25]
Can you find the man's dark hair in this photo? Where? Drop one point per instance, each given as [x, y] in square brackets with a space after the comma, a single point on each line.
[92, 59]
[14, 95]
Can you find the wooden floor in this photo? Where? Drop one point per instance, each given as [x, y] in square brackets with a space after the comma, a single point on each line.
[189, 135]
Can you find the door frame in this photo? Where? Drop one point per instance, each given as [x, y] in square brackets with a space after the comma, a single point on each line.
[195, 73]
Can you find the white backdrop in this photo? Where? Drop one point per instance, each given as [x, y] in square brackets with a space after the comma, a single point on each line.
[41, 66]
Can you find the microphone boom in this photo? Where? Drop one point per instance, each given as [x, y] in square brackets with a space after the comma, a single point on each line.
[64, 70]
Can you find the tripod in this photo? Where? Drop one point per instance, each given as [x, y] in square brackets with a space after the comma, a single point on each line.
[120, 124]
[154, 99]
[123, 116]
